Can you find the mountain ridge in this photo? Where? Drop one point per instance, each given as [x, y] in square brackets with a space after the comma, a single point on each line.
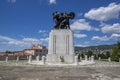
[95, 47]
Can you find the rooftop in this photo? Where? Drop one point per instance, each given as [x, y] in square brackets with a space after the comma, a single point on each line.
[38, 47]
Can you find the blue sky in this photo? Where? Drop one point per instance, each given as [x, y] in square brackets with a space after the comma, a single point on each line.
[27, 22]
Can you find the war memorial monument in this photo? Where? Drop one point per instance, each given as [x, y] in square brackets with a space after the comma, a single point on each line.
[61, 46]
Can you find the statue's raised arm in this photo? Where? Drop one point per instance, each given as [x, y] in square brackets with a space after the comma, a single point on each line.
[62, 20]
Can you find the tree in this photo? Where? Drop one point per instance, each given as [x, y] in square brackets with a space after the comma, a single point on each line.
[8, 52]
[89, 53]
[102, 56]
[95, 57]
[82, 55]
[116, 52]
[118, 44]
[108, 54]
[78, 56]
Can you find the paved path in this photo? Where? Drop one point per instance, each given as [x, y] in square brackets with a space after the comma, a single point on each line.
[58, 73]
[22, 71]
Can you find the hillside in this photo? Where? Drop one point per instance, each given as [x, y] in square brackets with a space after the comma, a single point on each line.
[94, 47]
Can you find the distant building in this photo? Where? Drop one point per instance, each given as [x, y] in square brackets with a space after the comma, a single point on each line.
[38, 50]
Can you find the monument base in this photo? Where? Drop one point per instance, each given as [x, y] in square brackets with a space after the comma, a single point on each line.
[55, 58]
[61, 48]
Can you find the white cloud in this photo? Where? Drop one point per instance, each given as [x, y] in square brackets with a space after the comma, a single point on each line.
[42, 31]
[30, 40]
[103, 38]
[112, 11]
[76, 32]
[115, 28]
[86, 42]
[115, 36]
[6, 38]
[95, 29]
[11, 1]
[80, 35]
[24, 42]
[52, 1]
[80, 24]
[44, 39]
[106, 38]
[16, 42]
[82, 45]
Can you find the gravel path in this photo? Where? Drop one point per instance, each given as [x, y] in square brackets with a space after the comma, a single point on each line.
[58, 73]
[23, 71]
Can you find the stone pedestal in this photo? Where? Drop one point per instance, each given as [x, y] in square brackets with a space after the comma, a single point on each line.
[30, 59]
[89, 58]
[17, 58]
[109, 59]
[76, 60]
[86, 58]
[6, 59]
[99, 58]
[92, 58]
[80, 58]
[37, 58]
[43, 59]
[61, 48]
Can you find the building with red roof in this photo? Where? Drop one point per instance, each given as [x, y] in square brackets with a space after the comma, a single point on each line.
[22, 54]
[38, 50]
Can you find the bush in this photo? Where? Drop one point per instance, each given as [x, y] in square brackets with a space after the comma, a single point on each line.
[116, 52]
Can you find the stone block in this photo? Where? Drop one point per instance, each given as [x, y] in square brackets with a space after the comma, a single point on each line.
[61, 47]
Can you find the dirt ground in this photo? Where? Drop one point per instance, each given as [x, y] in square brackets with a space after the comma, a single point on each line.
[58, 73]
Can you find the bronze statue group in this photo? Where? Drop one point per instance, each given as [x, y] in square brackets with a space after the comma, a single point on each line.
[62, 20]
